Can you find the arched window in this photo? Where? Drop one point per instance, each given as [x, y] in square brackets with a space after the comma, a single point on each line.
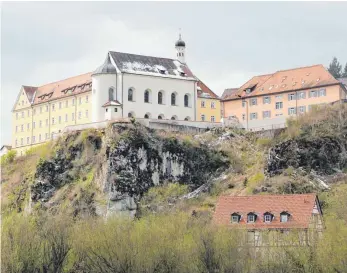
[131, 115]
[160, 97]
[146, 116]
[130, 94]
[147, 96]
[111, 94]
[187, 118]
[173, 99]
[186, 100]
[174, 118]
[160, 117]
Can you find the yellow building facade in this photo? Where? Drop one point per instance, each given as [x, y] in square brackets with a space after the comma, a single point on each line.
[208, 104]
[40, 112]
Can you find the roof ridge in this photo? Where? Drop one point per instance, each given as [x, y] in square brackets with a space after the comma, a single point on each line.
[298, 68]
[64, 79]
[147, 56]
[272, 195]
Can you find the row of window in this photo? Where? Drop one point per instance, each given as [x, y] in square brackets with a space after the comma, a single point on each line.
[53, 121]
[253, 217]
[291, 111]
[203, 118]
[161, 116]
[33, 140]
[203, 104]
[46, 108]
[292, 96]
[160, 97]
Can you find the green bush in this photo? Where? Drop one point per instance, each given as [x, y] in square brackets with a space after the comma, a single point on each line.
[8, 157]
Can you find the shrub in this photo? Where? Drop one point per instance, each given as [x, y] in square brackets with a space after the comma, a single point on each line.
[8, 157]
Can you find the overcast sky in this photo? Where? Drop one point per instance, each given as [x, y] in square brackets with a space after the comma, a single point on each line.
[227, 42]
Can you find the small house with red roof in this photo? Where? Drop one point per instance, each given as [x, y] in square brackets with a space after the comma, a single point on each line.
[258, 214]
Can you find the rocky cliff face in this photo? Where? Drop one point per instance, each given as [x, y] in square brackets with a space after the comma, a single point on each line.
[324, 155]
[141, 159]
[131, 159]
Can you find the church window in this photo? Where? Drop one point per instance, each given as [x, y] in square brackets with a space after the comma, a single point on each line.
[186, 100]
[173, 99]
[147, 96]
[130, 95]
[146, 116]
[160, 97]
[111, 94]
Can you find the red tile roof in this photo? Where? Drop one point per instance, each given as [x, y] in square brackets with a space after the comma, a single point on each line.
[286, 81]
[63, 88]
[205, 92]
[30, 92]
[299, 206]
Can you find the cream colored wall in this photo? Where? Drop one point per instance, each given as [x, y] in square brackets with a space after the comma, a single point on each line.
[208, 111]
[40, 119]
[234, 107]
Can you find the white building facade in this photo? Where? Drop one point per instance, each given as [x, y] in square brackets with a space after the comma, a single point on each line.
[145, 87]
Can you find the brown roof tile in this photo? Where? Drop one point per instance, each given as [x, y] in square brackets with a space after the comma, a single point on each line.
[228, 92]
[63, 88]
[286, 81]
[299, 206]
[30, 92]
[205, 92]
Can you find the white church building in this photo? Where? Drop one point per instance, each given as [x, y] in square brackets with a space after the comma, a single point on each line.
[129, 85]
[125, 85]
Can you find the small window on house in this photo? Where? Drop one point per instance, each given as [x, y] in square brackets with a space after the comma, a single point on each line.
[116, 109]
[254, 101]
[16, 115]
[106, 109]
[243, 103]
[40, 123]
[213, 105]
[291, 111]
[47, 122]
[279, 105]
[79, 115]
[40, 109]
[268, 217]
[251, 217]
[66, 117]
[253, 116]
[243, 116]
[266, 100]
[87, 99]
[203, 104]
[73, 101]
[47, 108]
[53, 107]
[203, 117]
[213, 119]
[146, 116]
[284, 216]
[59, 119]
[73, 116]
[235, 218]
[130, 115]
[86, 113]
[301, 95]
[291, 96]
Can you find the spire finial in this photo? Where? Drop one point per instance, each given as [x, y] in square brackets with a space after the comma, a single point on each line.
[180, 34]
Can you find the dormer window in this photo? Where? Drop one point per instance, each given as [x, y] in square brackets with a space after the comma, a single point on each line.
[284, 216]
[268, 217]
[251, 217]
[235, 217]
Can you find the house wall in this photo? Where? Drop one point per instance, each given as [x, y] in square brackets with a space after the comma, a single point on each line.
[42, 120]
[278, 116]
[141, 83]
[207, 110]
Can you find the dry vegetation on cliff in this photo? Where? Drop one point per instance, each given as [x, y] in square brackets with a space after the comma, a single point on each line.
[53, 197]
